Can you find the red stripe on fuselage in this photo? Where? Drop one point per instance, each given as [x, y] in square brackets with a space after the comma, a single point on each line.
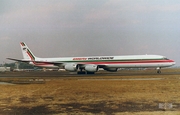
[42, 64]
[130, 62]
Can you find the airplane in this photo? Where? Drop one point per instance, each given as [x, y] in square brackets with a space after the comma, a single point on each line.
[91, 64]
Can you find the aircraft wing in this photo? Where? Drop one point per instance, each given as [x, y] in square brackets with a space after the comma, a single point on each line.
[47, 62]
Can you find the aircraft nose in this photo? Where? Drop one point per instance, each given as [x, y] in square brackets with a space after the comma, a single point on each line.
[173, 62]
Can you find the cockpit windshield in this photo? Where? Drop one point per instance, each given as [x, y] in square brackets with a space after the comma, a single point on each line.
[165, 58]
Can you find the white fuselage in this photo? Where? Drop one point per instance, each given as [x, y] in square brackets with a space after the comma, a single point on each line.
[129, 61]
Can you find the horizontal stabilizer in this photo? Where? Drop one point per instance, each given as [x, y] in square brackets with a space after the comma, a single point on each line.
[46, 62]
[20, 60]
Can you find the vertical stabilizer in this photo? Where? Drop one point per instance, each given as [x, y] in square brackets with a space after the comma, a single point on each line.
[27, 54]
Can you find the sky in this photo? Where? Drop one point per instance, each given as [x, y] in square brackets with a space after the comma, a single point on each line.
[61, 28]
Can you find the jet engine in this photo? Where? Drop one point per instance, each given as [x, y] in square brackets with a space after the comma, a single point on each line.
[72, 67]
[111, 69]
[91, 68]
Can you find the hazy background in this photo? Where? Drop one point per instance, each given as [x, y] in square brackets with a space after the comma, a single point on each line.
[54, 28]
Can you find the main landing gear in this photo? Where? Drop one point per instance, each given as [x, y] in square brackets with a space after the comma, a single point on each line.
[159, 70]
[84, 72]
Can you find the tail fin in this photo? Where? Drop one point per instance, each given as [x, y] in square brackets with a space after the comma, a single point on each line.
[27, 54]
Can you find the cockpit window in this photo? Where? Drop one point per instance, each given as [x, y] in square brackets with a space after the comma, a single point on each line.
[166, 59]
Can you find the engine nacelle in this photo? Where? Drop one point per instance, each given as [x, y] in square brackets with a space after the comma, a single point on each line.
[111, 69]
[91, 68]
[72, 67]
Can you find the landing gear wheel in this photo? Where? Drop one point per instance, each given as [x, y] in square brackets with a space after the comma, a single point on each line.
[81, 72]
[90, 72]
[158, 71]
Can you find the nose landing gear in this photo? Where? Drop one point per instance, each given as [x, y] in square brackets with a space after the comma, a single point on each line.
[159, 70]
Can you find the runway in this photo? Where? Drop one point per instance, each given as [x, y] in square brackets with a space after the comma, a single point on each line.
[135, 79]
[101, 75]
[104, 74]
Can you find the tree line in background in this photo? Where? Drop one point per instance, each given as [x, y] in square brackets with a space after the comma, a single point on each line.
[19, 65]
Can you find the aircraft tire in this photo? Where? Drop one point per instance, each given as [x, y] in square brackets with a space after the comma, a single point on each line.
[81, 72]
[159, 71]
[90, 72]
